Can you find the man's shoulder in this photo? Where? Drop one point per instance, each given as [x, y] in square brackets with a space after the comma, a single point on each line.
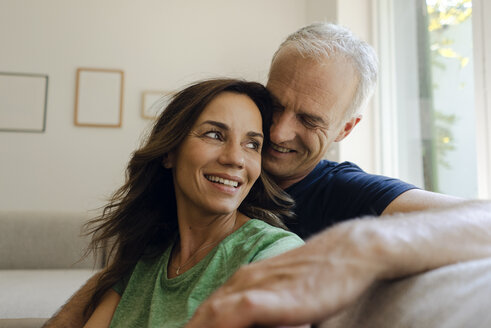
[325, 173]
[339, 167]
[344, 172]
[328, 169]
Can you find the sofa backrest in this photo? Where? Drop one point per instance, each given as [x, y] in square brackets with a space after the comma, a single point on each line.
[44, 240]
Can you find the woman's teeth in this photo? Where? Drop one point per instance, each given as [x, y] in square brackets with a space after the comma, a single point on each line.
[226, 182]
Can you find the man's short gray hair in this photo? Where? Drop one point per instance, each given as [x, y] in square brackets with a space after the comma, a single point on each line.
[322, 40]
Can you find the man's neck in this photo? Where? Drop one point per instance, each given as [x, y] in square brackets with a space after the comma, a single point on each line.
[286, 183]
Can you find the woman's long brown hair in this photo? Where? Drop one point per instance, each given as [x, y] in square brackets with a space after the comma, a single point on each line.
[140, 219]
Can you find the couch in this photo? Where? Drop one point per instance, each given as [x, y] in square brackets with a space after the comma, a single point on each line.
[454, 296]
[40, 269]
[40, 264]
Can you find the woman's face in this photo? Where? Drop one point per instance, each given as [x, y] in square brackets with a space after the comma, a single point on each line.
[218, 162]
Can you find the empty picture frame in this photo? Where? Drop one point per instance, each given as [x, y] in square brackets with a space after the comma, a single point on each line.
[154, 102]
[99, 97]
[23, 102]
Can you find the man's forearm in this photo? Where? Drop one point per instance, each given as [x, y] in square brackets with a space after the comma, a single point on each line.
[335, 267]
[72, 313]
[413, 242]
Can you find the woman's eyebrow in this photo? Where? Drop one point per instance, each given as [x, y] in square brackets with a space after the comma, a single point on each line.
[225, 127]
[253, 134]
[220, 125]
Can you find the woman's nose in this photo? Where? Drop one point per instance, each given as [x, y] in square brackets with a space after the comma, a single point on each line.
[233, 154]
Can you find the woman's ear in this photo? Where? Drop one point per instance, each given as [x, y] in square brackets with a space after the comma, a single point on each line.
[168, 161]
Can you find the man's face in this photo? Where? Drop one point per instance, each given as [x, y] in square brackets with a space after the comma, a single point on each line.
[313, 98]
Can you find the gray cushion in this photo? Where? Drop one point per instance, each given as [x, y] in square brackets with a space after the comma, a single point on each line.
[37, 240]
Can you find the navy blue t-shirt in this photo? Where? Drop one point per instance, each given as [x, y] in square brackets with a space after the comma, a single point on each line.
[335, 192]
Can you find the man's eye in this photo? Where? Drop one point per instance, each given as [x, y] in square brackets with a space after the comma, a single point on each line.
[308, 123]
[213, 135]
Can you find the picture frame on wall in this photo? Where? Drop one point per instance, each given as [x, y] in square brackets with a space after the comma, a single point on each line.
[23, 102]
[153, 102]
[99, 97]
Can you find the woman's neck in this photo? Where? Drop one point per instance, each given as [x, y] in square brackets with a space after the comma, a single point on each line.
[198, 235]
[196, 231]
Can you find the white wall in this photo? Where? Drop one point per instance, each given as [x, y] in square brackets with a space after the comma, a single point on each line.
[359, 147]
[322, 10]
[159, 45]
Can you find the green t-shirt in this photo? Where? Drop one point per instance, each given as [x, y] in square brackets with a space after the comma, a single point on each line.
[150, 299]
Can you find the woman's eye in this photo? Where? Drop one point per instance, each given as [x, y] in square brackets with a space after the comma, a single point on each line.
[253, 145]
[213, 135]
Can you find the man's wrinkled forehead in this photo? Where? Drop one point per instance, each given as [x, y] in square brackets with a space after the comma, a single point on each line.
[325, 83]
[303, 79]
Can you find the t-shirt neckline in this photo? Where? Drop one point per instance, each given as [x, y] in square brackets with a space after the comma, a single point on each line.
[198, 266]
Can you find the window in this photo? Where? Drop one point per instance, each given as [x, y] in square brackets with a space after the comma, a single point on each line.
[427, 96]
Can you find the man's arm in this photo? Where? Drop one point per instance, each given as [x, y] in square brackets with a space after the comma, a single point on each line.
[334, 268]
[71, 314]
[418, 200]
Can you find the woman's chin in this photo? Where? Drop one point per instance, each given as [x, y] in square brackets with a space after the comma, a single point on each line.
[221, 209]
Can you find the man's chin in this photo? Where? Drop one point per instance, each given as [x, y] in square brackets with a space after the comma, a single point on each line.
[281, 177]
[276, 168]
[270, 165]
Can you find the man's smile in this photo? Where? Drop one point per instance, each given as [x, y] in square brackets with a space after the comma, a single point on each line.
[281, 149]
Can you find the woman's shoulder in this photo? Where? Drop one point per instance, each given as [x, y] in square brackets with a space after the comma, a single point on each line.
[260, 228]
[261, 240]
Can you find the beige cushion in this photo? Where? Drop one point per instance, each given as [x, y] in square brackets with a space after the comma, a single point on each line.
[22, 323]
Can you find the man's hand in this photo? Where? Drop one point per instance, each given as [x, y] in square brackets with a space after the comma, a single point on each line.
[301, 286]
[333, 269]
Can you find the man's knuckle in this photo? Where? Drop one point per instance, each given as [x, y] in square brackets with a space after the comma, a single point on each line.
[255, 275]
[247, 301]
[214, 308]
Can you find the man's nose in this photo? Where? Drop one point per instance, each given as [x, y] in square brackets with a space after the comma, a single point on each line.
[233, 155]
[283, 127]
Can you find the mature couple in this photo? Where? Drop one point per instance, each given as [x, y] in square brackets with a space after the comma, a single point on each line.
[192, 212]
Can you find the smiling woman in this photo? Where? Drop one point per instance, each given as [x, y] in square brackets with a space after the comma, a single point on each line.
[217, 164]
[194, 208]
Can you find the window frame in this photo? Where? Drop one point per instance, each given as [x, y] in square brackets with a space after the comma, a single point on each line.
[482, 76]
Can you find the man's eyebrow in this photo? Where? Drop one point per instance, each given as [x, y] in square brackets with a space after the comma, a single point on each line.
[225, 127]
[315, 118]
